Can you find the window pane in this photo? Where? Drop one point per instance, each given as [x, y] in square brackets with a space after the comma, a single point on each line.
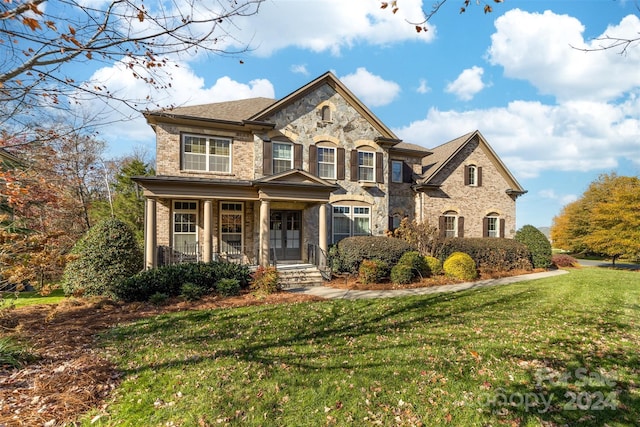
[326, 162]
[360, 226]
[396, 171]
[365, 166]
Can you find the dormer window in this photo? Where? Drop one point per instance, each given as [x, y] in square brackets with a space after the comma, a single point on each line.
[473, 175]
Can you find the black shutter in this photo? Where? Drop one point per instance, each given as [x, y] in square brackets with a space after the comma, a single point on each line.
[460, 226]
[501, 227]
[466, 175]
[297, 156]
[340, 172]
[313, 160]
[479, 176]
[379, 167]
[267, 162]
[354, 165]
[390, 225]
[407, 173]
[441, 226]
[485, 227]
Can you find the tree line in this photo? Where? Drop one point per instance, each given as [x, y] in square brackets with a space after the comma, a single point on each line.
[56, 190]
[605, 220]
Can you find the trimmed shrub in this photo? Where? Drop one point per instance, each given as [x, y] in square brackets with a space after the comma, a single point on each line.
[191, 291]
[372, 271]
[351, 251]
[265, 280]
[538, 245]
[402, 274]
[434, 264]
[170, 278]
[460, 266]
[563, 260]
[228, 287]
[158, 298]
[102, 259]
[490, 254]
[418, 265]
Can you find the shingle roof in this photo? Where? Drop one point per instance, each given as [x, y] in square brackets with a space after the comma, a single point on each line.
[441, 155]
[230, 111]
[411, 147]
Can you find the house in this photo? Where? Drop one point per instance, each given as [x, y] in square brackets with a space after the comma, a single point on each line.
[263, 180]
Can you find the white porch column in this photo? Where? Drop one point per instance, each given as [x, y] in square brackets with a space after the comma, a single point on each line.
[206, 241]
[264, 233]
[150, 234]
[322, 230]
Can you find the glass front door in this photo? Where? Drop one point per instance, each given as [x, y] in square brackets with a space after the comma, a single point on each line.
[285, 234]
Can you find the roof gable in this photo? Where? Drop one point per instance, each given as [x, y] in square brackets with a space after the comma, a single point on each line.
[442, 155]
[329, 79]
[293, 177]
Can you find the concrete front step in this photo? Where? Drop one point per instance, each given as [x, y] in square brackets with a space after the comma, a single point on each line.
[301, 275]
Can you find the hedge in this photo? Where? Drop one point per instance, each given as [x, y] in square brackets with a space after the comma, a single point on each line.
[490, 254]
[351, 251]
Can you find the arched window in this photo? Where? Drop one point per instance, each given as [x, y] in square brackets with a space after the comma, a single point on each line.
[450, 224]
[473, 175]
[493, 225]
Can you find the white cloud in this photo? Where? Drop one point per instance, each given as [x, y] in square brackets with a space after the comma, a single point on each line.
[532, 138]
[468, 84]
[542, 48]
[373, 90]
[186, 89]
[328, 25]
[300, 69]
[423, 87]
[551, 195]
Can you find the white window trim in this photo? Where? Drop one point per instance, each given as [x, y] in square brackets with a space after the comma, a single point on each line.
[455, 224]
[221, 214]
[395, 162]
[173, 220]
[351, 216]
[372, 167]
[206, 154]
[273, 157]
[334, 163]
[473, 175]
[496, 220]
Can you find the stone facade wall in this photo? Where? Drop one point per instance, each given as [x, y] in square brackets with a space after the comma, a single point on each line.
[302, 123]
[402, 198]
[472, 203]
[168, 152]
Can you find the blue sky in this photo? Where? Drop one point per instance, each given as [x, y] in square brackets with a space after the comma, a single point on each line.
[558, 117]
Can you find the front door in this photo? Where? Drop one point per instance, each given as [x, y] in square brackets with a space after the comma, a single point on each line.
[285, 234]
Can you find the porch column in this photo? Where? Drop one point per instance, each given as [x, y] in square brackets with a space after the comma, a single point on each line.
[150, 234]
[322, 230]
[206, 241]
[264, 232]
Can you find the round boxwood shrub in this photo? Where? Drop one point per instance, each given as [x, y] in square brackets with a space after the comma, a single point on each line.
[401, 274]
[460, 266]
[418, 265]
[351, 251]
[372, 271]
[538, 245]
[107, 255]
[434, 264]
[228, 287]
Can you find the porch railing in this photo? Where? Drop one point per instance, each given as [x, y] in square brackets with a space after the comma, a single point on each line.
[169, 255]
[319, 258]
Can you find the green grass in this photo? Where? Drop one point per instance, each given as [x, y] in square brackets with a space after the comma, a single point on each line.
[33, 298]
[473, 358]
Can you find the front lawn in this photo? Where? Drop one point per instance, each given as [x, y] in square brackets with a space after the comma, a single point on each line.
[557, 351]
[33, 298]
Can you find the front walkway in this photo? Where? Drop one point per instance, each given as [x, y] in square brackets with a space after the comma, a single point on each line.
[333, 293]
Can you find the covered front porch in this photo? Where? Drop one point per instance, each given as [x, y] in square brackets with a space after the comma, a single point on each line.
[270, 220]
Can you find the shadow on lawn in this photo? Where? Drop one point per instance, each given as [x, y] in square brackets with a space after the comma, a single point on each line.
[314, 333]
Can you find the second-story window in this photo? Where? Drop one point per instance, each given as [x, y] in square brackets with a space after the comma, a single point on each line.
[205, 153]
[396, 171]
[327, 162]
[366, 166]
[473, 175]
[282, 157]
